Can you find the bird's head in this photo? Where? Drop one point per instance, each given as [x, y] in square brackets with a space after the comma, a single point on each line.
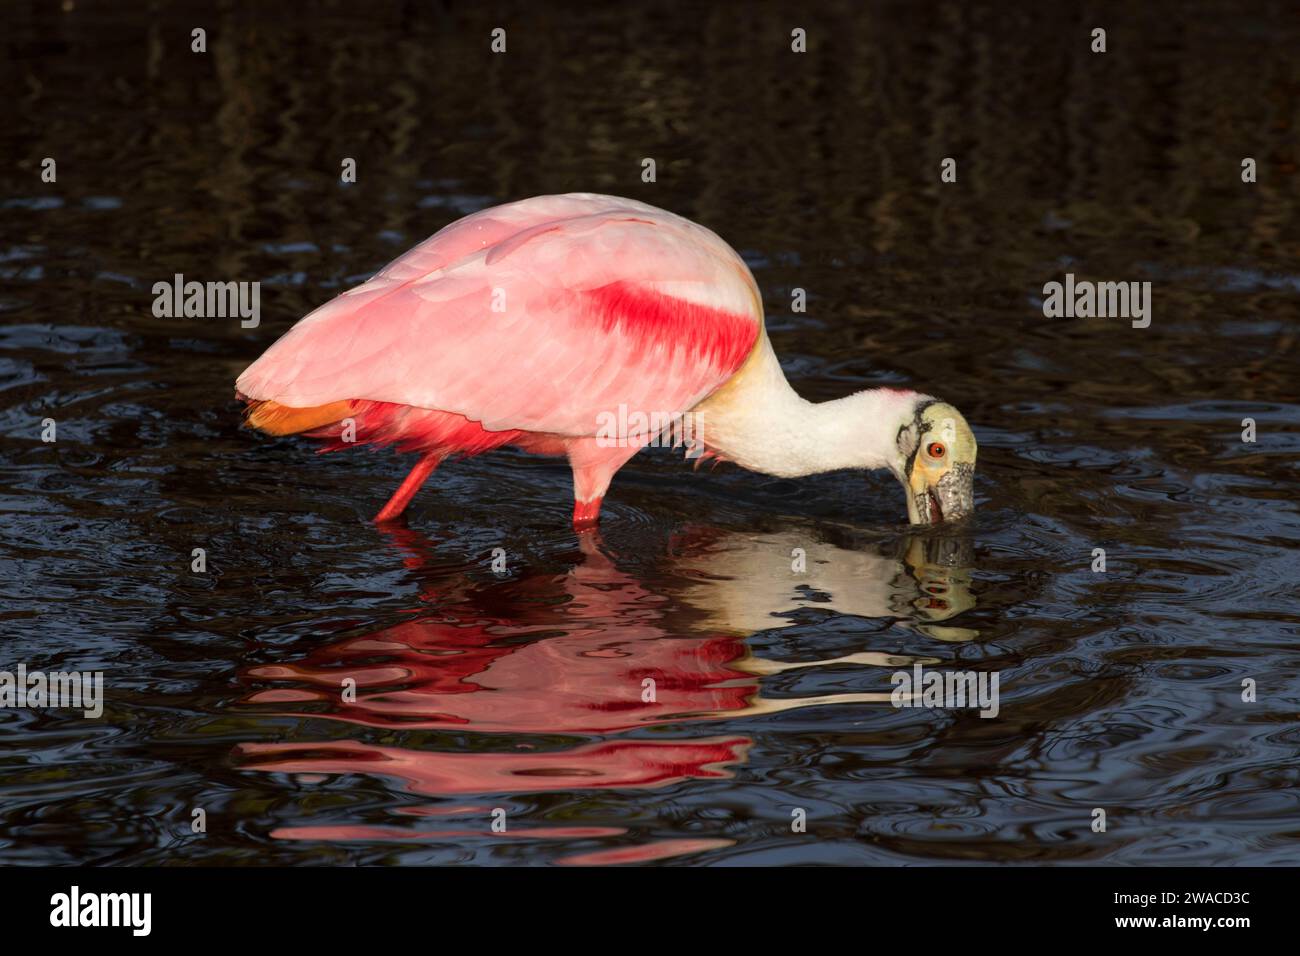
[935, 461]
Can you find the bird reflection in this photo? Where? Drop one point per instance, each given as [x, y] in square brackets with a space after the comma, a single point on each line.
[750, 581]
[596, 653]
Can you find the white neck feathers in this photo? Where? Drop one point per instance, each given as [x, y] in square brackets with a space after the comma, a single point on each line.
[758, 421]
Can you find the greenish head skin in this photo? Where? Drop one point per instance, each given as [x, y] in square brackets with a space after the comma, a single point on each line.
[937, 463]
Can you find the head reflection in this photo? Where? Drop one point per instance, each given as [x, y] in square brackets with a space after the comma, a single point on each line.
[750, 582]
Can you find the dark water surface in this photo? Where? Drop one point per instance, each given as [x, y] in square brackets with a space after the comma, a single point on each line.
[522, 691]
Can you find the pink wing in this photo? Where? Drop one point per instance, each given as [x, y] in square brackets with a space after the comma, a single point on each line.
[537, 316]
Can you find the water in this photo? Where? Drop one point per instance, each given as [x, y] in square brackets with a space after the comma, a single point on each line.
[521, 691]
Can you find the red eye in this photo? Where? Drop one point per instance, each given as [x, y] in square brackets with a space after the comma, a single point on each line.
[935, 449]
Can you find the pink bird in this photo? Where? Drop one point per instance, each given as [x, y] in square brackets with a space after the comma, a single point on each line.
[587, 326]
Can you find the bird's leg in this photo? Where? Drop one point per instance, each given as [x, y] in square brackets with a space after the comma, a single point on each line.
[403, 495]
[586, 514]
[594, 464]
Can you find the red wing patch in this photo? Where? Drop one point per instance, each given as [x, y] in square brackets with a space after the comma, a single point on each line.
[723, 339]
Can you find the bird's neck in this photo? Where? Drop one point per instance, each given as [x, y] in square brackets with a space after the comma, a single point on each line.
[758, 421]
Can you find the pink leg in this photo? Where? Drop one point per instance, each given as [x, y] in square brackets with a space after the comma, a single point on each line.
[403, 495]
[586, 514]
[593, 469]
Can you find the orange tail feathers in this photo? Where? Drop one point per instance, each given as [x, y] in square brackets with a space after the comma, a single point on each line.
[276, 419]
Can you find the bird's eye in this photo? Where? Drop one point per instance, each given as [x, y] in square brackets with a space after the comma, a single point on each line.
[935, 449]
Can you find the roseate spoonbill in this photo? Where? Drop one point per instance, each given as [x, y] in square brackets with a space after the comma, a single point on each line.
[537, 323]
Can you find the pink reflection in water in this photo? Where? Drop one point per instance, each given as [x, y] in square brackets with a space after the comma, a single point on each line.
[347, 832]
[624, 763]
[645, 853]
